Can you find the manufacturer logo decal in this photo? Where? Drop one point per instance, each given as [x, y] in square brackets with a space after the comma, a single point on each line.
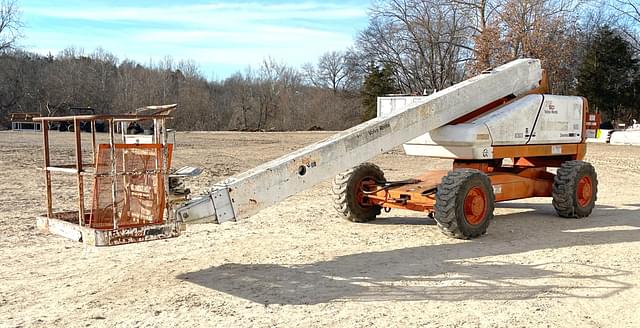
[497, 189]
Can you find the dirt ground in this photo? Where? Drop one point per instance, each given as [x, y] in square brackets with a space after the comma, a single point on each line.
[299, 264]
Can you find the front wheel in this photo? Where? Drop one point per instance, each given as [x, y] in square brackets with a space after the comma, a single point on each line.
[464, 204]
[349, 197]
[575, 189]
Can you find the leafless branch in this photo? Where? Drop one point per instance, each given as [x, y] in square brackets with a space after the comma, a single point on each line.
[10, 24]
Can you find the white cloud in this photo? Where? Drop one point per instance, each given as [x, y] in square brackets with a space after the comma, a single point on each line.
[225, 33]
[265, 36]
[211, 14]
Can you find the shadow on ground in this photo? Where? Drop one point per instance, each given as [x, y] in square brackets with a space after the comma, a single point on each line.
[393, 220]
[449, 272]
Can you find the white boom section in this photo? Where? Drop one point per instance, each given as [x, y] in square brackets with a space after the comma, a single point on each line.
[246, 193]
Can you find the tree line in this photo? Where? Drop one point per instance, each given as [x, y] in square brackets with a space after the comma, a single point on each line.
[588, 48]
[424, 46]
[271, 97]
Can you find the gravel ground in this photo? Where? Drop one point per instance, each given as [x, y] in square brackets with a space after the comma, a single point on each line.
[299, 264]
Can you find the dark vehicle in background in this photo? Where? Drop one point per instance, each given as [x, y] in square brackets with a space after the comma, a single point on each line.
[73, 111]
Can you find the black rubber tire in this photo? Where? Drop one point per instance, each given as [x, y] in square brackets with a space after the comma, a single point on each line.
[449, 207]
[344, 192]
[565, 189]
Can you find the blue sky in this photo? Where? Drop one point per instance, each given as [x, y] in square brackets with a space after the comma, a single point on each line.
[221, 36]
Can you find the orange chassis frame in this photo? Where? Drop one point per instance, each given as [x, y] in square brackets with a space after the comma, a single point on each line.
[526, 177]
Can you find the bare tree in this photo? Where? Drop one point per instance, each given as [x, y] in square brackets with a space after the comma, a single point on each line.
[544, 29]
[630, 10]
[10, 85]
[334, 71]
[484, 16]
[272, 97]
[10, 24]
[426, 42]
[510, 29]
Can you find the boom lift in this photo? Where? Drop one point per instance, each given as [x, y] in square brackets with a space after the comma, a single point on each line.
[501, 114]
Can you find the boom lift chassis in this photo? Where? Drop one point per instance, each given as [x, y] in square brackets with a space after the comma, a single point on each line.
[461, 200]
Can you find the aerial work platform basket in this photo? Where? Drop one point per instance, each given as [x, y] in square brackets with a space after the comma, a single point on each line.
[129, 193]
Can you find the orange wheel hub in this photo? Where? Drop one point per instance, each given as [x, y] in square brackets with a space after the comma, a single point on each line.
[475, 205]
[584, 191]
[364, 184]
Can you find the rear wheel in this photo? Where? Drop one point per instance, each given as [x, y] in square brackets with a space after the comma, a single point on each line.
[575, 189]
[464, 204]
[349, 196]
